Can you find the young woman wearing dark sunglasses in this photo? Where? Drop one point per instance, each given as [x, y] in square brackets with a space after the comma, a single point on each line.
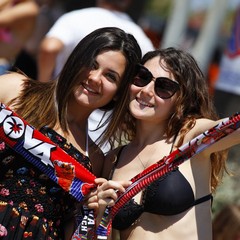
[164, 87]
[170, 105]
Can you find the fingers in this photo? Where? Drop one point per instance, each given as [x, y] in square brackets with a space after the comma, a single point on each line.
[105, 195]
[108, 192]
[125, 184]
[91, 201]
[92, 195]
[100, 181]
[116, 185]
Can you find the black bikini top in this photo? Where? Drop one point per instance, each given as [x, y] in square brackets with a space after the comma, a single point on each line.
[169, 195]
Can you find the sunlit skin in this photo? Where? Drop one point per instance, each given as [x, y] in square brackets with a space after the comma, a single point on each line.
[94, 77]
[18, 19]
[149, 146]
[152, 113]
[97, 89]
[101, 84]
[145, 104]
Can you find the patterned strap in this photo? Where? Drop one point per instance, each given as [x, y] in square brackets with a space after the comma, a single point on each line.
[78, 181]
[39, 150]
[169, 163]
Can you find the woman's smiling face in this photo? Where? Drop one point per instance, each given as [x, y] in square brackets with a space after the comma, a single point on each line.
[102, 81]
[145, 104]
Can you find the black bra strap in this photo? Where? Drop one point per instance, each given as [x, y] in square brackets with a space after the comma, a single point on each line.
[203, 199]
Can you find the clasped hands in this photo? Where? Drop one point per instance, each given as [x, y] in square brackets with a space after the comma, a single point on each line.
[104, 195]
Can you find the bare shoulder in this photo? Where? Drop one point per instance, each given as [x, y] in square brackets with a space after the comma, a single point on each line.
[11, 85]
[228, 141]
[200, 126]
[204, 124]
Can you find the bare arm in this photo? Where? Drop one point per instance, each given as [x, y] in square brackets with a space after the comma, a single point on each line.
[227, 142]
[4, 4]
[25, 10]
[11, 85]
[49, 49]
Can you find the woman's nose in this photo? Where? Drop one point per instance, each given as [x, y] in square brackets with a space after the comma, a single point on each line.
[149, 88]
[95, 75]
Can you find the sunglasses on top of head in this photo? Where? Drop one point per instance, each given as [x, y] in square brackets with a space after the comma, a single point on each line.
[164, 87]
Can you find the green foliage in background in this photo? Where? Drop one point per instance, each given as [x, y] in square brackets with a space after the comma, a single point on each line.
[159, 8]
[229, 192]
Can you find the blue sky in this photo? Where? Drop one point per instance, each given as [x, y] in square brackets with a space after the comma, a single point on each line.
[205, 3]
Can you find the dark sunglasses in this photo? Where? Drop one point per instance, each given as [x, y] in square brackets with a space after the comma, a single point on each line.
[164, 87]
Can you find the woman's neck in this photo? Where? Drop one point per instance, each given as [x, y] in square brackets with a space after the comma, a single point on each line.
[78, 115]
[77, 125]
[148, 133]
[78, 136]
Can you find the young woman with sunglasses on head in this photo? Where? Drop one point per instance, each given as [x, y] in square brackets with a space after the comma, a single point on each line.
[170, 105]
[96, 75]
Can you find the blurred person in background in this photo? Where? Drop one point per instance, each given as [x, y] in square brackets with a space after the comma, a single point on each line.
[17, 22]
[226, 224]
[227, 86]
[49, 12]
[71, 28]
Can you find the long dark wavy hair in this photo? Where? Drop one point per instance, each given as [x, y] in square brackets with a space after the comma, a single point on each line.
[46, 103]
[192, 103]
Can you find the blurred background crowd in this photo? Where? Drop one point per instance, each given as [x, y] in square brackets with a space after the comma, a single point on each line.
[209, 29]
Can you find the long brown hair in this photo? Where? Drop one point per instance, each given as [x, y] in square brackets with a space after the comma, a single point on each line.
[192, 103]
[46, 103]
[82, 57]
[36, 103]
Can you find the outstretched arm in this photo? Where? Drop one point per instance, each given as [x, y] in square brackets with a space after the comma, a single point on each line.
[11, 86]
[50, 47]
[228, 141]
[23, 11]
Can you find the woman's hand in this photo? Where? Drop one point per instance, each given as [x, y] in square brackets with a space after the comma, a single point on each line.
[91, 200]
[107, 194]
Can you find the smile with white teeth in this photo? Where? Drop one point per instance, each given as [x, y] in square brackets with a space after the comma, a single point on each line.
[89, 89]
[141, 102]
